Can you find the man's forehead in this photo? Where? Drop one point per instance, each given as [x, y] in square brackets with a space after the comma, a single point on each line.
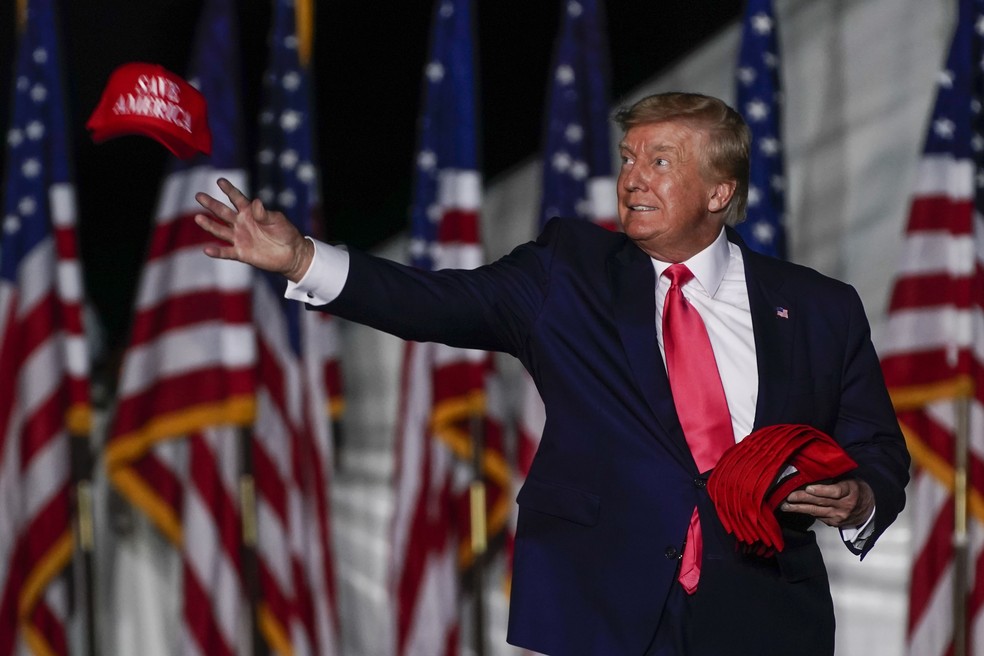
[662, 136]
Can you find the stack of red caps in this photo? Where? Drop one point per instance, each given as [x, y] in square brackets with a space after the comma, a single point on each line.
[755, 475]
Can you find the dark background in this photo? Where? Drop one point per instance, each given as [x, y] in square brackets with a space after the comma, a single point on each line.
[368, 61]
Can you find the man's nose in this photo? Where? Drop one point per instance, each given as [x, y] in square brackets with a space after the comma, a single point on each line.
[633, 179]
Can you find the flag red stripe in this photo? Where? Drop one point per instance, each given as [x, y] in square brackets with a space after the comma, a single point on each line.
[164, 482]
[935, 290]
[930, 564]
[45, 425]
[207, 479]
[179, 311]
[458, 227]
[49, 628]
[199, 619]
[922, 367]
[180, 392]
[269, 483]
[458, 379]
[940, 213]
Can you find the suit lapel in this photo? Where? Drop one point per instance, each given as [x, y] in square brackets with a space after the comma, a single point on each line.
[634, 285]
[774, 318]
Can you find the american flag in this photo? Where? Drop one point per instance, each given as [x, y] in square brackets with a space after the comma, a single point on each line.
[443, 388]
[759, 99]
[186, 386]
[932, 346]
[577, 163]
[291, 447]
[43, 356]
[577, 154]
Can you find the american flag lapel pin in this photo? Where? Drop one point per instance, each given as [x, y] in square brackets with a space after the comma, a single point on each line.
[782, 313]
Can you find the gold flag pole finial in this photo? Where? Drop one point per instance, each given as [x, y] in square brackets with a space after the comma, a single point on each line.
[21, 14]
[304, 25]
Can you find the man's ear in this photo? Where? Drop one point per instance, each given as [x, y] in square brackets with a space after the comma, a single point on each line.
[721, 194]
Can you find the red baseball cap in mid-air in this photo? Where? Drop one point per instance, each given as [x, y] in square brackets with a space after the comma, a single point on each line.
[150, 100]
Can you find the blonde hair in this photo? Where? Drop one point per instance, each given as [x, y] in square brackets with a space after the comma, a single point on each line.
[726, 151]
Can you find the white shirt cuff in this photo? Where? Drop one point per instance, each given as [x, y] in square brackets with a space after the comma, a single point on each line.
[325, 277]
[856, 537]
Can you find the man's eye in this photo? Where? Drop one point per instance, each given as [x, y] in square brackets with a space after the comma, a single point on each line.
[626, 160]
[661, 161]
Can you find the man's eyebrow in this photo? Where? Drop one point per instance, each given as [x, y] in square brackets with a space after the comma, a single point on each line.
[661, 148]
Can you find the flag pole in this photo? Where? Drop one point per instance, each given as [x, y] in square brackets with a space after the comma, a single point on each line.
[960, 538]
[249, 538]
[479, 530]
[81, 459]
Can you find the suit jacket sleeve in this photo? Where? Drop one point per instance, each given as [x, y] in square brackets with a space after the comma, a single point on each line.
[490, 308]
[867, 426]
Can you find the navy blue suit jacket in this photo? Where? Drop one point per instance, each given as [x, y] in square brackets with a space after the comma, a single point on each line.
[605, 509]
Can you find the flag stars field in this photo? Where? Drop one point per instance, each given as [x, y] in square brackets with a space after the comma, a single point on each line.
[427, 160]
[944, 128]
[565, 74]
[756, 110]
[762, 23]
[434, 72]
[290, 120]
[764, 232]
[759, 98]
[291, 81]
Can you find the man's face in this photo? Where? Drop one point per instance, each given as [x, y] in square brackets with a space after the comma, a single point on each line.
[666, 204]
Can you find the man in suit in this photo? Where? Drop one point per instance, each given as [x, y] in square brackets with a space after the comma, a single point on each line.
[606, 511]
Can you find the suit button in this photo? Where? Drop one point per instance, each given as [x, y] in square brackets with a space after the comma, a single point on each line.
[700, 483]
[671, 553]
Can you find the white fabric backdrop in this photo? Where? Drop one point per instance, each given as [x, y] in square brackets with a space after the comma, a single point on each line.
[859, 80]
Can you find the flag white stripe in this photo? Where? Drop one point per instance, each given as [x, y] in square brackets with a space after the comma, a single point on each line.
[40, 376]
[69, 274]
[204, 550]
[928, 498]
[437, 601]
[273, 536]
[602, 198]
[269, 425]
[45, 475]
[185, 350]
[923, 328]
[35, 277]
[188, 270]
[272, 329]
[61, 195]
[417, 399]
[459, 189]
[927, 252]
[942, 175]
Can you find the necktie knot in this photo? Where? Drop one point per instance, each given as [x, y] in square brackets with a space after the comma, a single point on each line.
[678, 274]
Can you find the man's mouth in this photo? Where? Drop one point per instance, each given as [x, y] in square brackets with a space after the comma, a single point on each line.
[641, 208]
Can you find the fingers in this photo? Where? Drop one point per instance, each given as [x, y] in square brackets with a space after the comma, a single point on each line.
[836, 504]
[215, 228]
[217, 208]
[222, 211]
[236, 197]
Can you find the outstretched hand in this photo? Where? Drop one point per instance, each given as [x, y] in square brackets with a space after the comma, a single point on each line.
[255, 235]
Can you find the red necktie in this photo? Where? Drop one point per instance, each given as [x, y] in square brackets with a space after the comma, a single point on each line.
[699, 399]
